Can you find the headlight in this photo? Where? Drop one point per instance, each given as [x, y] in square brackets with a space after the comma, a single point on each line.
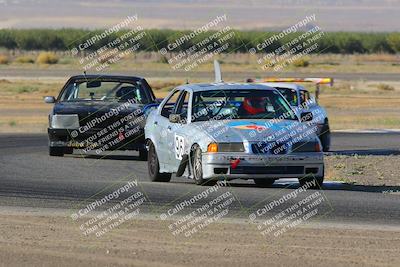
[225, 147]
[68, 121]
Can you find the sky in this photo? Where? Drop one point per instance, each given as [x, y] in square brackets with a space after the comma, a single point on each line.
[331, 15]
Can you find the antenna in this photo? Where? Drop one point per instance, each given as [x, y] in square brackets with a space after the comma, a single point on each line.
[217, 72]
[84, 74]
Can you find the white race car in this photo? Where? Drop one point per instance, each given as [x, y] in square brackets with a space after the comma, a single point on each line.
[228, 131]
[301, 101]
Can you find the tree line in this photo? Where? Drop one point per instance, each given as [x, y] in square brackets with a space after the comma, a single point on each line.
[67, 39]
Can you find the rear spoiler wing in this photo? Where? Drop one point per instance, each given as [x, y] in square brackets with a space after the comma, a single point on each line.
[316, 81]
[217, 72]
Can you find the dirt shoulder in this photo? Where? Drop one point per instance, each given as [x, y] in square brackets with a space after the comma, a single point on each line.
[369, 170]
[350, 105]
[48, 240]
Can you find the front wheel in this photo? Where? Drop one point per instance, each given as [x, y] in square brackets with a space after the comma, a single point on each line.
[198, 167]
[154, 166]
[56, 151]
[197, 164]
[325, 137]
[68, 150]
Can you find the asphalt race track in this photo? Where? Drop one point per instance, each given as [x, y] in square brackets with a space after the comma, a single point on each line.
[31, 178]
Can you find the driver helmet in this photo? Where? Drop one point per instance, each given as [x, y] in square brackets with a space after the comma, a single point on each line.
[254, 105]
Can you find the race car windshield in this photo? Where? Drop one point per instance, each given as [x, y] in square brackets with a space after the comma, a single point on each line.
[93, 90]
[240, 104]
[289, 94]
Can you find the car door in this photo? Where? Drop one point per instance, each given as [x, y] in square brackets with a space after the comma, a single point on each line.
[178, 132]
[163, 128]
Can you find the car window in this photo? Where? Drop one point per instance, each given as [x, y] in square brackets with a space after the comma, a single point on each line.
[169, 106]
[289, 94]
[182, 105]
[105, 91]
[240, 104]
[304, 96]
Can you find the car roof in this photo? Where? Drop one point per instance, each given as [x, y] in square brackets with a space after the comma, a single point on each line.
[106, 76]
[198, 87]
[284, 85]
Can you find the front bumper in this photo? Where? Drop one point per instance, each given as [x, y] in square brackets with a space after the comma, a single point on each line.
[249, 166]
[67, 138]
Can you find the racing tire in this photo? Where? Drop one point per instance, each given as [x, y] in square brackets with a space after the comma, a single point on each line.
[198, 167]
[143, 153]
[264, 182]
[68, 150]
[325, 137]
[56, 151]
[318, 184]
[154, 166]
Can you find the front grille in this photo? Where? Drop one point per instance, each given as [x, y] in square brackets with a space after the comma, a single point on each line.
[268, 170]
[230, 147]
[272, 148]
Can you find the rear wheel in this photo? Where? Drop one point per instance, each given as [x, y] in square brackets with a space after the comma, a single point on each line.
[264, 182]
[56, 151]
[154, 166]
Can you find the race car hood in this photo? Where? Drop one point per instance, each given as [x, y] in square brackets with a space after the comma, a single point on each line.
[255, 130]
[89, 110]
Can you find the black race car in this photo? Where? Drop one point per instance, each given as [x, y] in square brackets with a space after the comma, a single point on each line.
[98, 113]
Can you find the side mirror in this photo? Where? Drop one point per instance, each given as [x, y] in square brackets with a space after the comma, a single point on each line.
[49, 99]
[306, 116]
[174, 118]
[93, 84]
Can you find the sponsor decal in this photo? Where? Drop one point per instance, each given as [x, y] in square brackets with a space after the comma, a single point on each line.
[179, 146]
[248, 126]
